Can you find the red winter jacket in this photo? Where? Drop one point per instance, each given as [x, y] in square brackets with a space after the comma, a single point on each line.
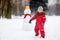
[40, 18]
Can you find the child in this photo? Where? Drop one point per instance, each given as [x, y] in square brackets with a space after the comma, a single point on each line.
[40, 20]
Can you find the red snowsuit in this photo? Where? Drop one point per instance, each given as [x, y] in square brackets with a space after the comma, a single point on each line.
[40, 18]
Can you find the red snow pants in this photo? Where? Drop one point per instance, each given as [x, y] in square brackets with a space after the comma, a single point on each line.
[39, 29]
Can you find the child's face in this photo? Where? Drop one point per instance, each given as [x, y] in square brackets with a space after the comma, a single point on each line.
[40, 11]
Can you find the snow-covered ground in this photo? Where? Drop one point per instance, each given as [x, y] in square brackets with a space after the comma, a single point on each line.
[11, 29]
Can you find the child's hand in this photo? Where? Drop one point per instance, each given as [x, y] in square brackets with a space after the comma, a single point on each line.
[43, 23]
[30, 21]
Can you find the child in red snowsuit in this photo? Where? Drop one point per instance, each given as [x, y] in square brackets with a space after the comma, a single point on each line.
[40, 20]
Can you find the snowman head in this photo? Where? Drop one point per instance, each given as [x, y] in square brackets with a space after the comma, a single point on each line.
[27, 10]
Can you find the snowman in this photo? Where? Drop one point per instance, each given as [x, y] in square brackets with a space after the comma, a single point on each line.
[27, 15]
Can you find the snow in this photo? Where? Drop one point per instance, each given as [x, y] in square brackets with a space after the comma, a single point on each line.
[11, 29]
[52, 28]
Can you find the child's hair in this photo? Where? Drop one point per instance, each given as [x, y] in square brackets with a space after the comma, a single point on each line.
[40, 8]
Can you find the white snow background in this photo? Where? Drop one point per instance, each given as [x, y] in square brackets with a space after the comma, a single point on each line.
[11, 29]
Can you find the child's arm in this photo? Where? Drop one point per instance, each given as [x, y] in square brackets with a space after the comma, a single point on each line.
[44, 19]
[34, 17]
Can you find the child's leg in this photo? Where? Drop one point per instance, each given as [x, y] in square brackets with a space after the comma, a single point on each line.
[36, 32]
[42, 32]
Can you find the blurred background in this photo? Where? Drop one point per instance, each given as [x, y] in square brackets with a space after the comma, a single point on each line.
[16, 7]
